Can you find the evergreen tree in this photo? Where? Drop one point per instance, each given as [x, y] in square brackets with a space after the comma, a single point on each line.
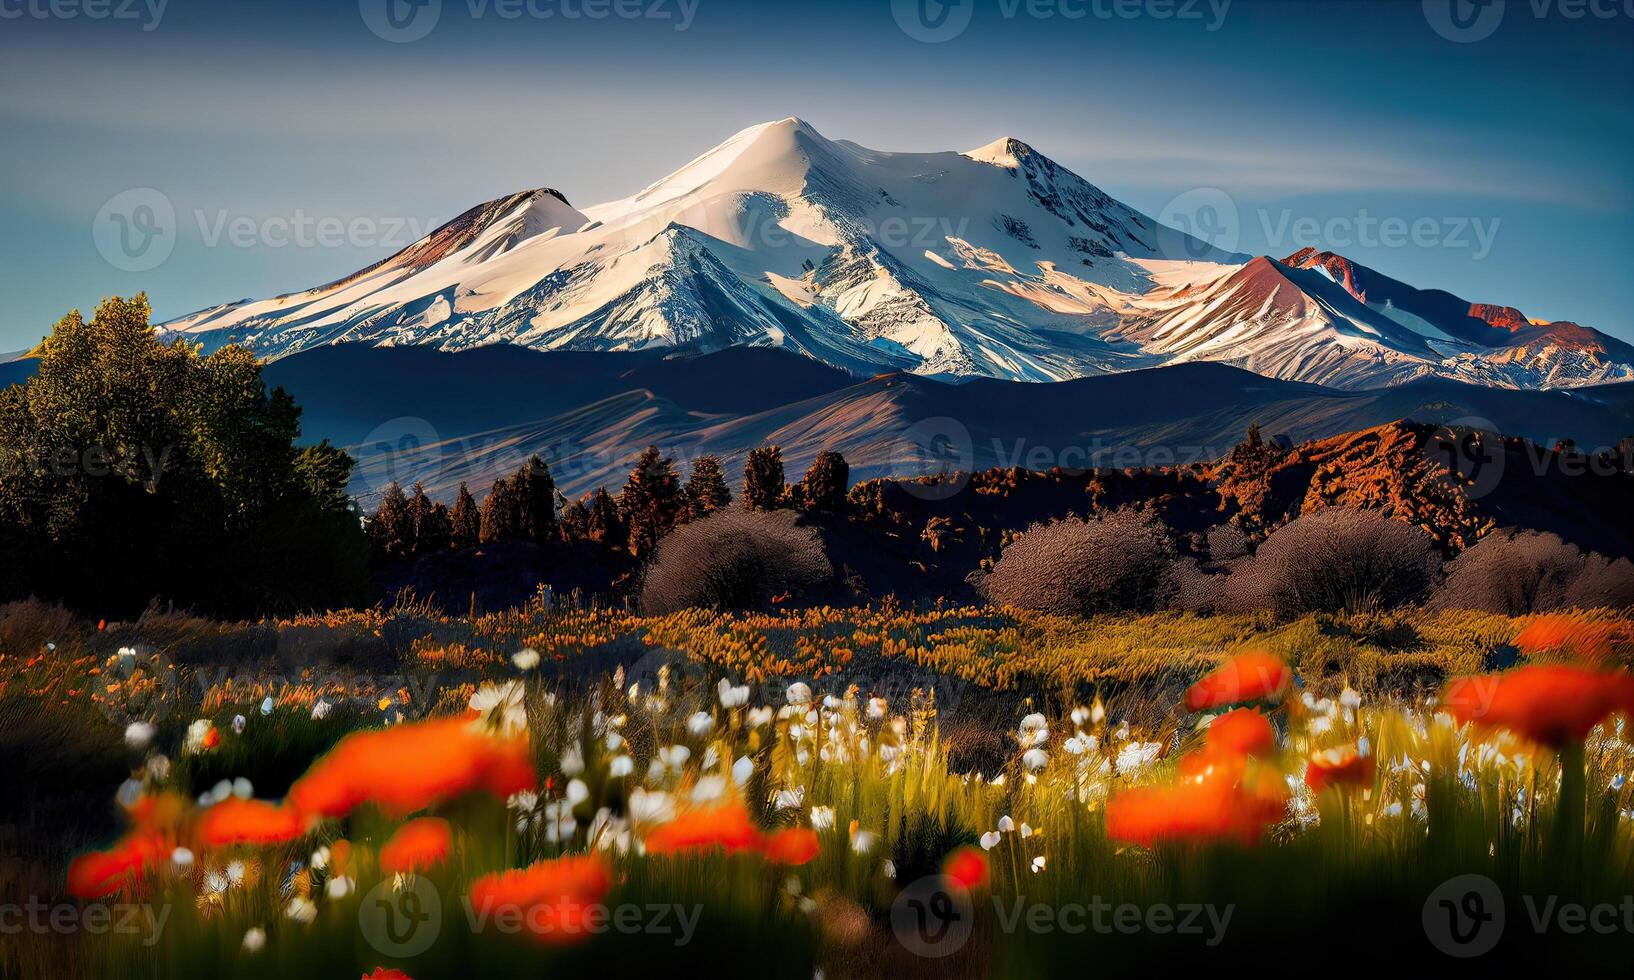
[433, 527]
[575, 522]
[501, 514]
[536, 502]
[392, 528]
[465, 520]
[763, 482]
[826, 483]
[652, 501]
[606, 524]
[706, 490]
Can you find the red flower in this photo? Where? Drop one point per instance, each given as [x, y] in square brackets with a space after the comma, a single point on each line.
[1569, 636]
[793, 846]
[417, 846]
[383, 973]
[726, 827]
[1339, 767]
[411, 767]
[123, 866]
[553, 898]
[1218, 798]
[1252, 676]
[967, 866]
[1241, 732]
[235, 821]
[1551, 705]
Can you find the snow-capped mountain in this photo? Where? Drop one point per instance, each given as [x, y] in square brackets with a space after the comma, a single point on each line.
[996, 262]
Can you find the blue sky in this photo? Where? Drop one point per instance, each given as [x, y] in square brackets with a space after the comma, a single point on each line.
[1507, 159]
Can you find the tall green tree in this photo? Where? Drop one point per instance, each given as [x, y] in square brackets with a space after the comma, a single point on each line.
[763, 480]
[501, 513]
[706, 489]
[536, 502]
[392, 526]
[652, 501]
[606, 523]
[132, 469]
[433, 527]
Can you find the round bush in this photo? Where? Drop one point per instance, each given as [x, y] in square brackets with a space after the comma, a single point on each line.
[1336, 560]
[1518, 572]
[734, 559]
[1116, 562]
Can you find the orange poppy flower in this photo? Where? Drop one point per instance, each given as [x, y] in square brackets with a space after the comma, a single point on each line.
[1242, 732]
[968, 866]
[1568, 636]
[121, 867]
[726, 827]
[1252, 676]
[417, 846]
[792, 846]
[1553, 705]
[553, 898]
[1339, 767]
[236, 821]
[1224, 802]
[410, 767]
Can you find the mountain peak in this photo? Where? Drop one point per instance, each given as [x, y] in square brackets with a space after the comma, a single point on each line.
[1006, 151]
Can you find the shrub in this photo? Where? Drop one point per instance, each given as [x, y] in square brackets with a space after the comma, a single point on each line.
[763, 480]
[734, 559]
[1119, 561]
[1512, 572]
[1336, 560]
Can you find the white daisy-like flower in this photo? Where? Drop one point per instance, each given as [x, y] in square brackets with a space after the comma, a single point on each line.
[339, 887]
[239, 721]
[243, 788]
[674, 756]
[1038, 864]
[1350, 698]
[302, 910]
[877, 708]
[320, 710]
[799, 693]
[1137, 755]
[525, 659]
[577, 792]
[1026, 831]
[1006, 825]
[1035, 759]
[760, 716]
[709, 788]
[198, 735]
[791, 798]
[888, 869]
[523, 801]
[235, 873]
[621, 766]
[559, 821]
[990, 840]
[501, 707]
[266, 709]
[700, 724]
[128, 794]
[732, 696]
[822, 818]
[572, 760]
[863, 841]
[182, 858]
[650, 806]
[743, 769]
[215, 882]
[138, 734]
[1034, 729]
[254, 939]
